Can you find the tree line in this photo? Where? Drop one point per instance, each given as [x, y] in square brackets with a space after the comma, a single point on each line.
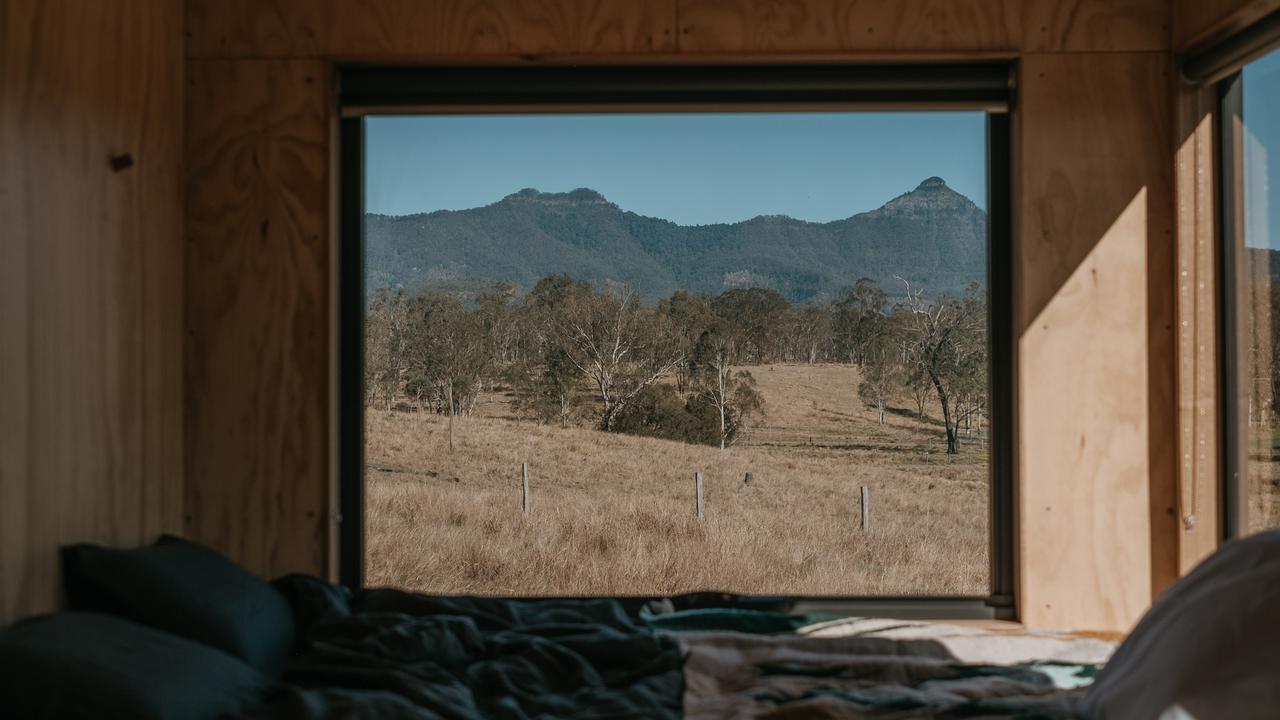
[679, 369]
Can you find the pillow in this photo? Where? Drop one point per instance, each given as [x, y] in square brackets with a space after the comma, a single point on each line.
[1209, 646]
[188, 590]
[83, 665]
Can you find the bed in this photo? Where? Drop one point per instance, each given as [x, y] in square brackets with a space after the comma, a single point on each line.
[175, 631]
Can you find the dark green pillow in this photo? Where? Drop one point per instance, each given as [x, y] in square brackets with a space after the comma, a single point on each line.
[85, 665]
[188, 590]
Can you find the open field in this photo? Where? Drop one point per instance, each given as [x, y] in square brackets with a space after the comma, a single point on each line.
[614, 514]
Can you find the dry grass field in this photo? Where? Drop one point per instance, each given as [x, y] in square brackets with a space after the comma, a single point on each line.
[614, 514]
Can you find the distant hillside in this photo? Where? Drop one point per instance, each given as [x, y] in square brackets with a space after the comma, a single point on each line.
[932, 236]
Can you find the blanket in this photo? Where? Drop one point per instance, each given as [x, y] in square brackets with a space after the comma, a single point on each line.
[776, 677]
[396, 655]
[391, 654]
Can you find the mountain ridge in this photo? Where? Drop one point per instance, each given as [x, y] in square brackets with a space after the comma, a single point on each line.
[932, 235]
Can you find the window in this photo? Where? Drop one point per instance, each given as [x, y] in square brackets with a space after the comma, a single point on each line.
[1251, 224]
[638, 334]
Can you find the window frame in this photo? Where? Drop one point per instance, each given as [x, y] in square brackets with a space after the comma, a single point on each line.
[365, 90]
[1230, 235]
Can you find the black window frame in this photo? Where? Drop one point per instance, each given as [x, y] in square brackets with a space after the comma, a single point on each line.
[1231, 464]
[364, 90]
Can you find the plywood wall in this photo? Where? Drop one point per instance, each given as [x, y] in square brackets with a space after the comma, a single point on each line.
[1093, 309]
[90, 283]
[257, 310]
[1093, 249]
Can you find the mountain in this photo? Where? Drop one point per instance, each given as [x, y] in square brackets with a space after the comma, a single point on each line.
[932, 236]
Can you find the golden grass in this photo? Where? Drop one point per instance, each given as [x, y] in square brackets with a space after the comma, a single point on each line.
[614, 514]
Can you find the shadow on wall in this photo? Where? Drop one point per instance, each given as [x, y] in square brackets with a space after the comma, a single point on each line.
[1092, 278]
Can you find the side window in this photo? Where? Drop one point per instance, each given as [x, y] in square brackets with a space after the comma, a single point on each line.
[1251, 182]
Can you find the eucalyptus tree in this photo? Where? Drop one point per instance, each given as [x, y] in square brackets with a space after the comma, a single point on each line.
[449, 350]
[620, 346]
[385, 331]
[731, 394]
[946, 342]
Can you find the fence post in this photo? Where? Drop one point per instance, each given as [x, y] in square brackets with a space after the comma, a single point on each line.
[697, 483]
[864, 494]
[524, 488]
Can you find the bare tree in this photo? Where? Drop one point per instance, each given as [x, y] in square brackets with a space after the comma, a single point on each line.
[617, 345]
[731, 394]
[810, 332]
[946, 341]
[882, 370]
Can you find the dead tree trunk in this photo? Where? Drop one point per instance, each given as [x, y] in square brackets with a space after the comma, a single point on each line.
[449, 399]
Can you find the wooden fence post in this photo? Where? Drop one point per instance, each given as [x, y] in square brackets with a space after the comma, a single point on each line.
[697, 483]
[524, 488]
[864, 494]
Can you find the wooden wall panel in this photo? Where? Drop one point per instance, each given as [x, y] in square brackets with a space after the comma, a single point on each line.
[90, 284]
[257, 28]
[257, 311]
[854, 25]
[923, 26]
[427, 28]
[1095, 25]
[1093, 209]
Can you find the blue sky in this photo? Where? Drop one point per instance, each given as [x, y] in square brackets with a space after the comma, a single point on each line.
[688, 168]
[1262, 153]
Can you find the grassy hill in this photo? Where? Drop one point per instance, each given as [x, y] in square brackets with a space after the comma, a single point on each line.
[614, 514]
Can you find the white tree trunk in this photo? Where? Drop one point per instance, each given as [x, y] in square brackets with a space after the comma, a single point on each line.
[450, 401]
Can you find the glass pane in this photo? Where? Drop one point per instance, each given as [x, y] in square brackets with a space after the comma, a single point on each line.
[702, 336]
[1260, 293]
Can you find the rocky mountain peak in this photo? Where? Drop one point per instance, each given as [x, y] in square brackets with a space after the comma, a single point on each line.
[579, 196]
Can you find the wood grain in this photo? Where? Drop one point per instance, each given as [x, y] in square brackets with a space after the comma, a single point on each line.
[257, 312]
[257, 28]
[586, 27]
[1097, 25]
[381, 29]
[90, 284]
[851, 25]
[1093, 203]
[1199, 479]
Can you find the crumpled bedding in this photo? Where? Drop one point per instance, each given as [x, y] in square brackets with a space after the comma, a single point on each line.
[395, 655]
[735, 675]
[389, 654]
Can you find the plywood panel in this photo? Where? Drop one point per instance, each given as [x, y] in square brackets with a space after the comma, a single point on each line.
[555, 26]
[257, 311]
[90, 284]
[381, 29]
[1103, 25]
[919, 26]
[1093, 203]
[1199, 481]
[1200, 21]
[257, 28]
